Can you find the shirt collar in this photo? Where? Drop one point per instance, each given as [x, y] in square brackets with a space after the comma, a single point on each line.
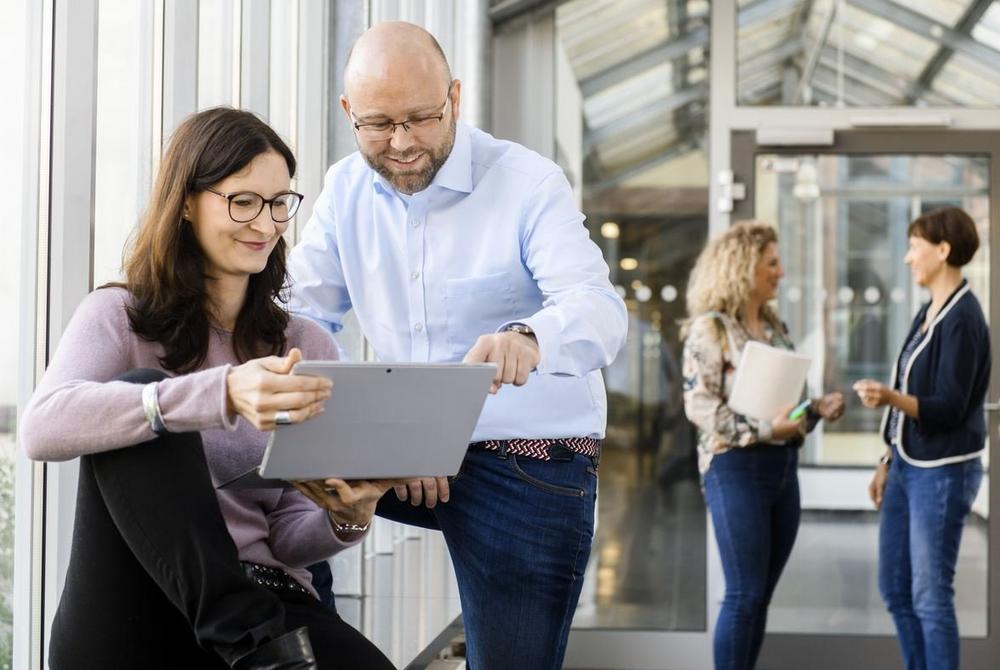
[455, 174]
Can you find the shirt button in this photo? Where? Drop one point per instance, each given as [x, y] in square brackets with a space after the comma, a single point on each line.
[415, 274]
[418, 327]
[416, 223]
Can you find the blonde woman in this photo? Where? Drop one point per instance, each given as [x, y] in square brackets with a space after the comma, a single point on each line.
[748, 466]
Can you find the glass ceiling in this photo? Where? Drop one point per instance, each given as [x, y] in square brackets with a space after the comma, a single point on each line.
[642, 65]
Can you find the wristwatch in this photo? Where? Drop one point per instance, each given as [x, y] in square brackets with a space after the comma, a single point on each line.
[522, 328]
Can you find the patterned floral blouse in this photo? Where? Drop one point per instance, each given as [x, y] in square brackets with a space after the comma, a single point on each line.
[711, 352]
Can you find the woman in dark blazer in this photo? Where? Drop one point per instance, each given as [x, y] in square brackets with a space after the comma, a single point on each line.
[935, 431]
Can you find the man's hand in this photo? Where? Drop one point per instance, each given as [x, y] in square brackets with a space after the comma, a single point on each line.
[515, 355]
[428, 490]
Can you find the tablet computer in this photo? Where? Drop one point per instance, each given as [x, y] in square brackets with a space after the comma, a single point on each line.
[382, 421]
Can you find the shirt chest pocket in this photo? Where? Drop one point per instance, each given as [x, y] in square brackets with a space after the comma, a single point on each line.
[477, 306]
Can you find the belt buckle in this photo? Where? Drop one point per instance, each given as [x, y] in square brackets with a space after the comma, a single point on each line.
[558, 451]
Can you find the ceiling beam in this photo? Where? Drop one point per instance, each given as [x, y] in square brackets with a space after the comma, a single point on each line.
[669, 153]
[504, 11]
[812, 58]
[676, 45]
[664, 52]
[973, 13]
[930, 29]
[651, 114]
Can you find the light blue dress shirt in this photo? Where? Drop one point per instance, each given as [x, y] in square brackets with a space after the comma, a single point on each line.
[496, 238]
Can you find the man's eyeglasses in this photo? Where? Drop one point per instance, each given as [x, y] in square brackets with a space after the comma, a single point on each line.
[383, 130]
[245, 206]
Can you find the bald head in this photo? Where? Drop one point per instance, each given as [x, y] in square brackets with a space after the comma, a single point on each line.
[395, 54]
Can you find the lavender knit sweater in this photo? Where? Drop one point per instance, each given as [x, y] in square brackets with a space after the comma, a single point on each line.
[76, 411]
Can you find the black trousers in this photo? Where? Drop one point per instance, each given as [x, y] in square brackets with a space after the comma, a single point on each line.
[154, 579]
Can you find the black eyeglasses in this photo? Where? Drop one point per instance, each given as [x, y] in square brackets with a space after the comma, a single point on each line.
[383, 130]
[245, 206]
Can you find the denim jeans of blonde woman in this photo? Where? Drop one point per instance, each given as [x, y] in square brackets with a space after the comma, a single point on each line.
[753, 496]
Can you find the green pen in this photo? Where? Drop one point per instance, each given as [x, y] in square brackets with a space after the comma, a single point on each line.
[800, 410]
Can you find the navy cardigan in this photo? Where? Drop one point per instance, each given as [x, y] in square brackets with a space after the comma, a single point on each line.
[949, 373]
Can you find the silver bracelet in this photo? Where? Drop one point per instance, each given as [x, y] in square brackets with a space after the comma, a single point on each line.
[345, 528]
[151, 407]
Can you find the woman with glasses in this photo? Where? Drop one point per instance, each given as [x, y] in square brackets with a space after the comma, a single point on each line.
[934, 428]
[165, 386]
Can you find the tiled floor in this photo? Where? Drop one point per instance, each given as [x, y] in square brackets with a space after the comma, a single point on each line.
[647, 570]
[649, 565]
[830, 584]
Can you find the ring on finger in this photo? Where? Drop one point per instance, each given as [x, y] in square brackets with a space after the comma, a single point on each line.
[282, 417]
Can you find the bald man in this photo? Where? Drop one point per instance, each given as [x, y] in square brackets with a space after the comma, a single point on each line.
[451, 245]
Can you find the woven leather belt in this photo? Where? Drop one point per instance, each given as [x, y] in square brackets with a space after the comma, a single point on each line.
[544, 450]
[272, 578]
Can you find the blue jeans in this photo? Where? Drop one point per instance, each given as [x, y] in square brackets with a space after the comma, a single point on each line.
[519, 532]
[923, 513]
[753, 496]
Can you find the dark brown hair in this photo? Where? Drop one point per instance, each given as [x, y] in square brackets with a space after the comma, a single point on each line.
[165, 266]
[951, 225]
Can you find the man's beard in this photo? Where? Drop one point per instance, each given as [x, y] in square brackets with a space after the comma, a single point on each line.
[416, 180]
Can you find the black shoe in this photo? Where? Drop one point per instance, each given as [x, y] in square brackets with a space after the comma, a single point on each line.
[291, 651]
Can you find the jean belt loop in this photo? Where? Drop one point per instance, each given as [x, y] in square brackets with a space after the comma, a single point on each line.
[502, 451]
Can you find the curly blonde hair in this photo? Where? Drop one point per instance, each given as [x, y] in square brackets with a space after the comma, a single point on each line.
[723, 275]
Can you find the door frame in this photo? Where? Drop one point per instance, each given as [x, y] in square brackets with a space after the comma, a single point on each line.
[861, 652]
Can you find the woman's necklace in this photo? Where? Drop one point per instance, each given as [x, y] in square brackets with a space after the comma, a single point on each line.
[758, 333]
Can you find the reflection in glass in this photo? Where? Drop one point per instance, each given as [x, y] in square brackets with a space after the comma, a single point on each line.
[218, 67]
[644, 177]
[848, 301]
[13, 51]
[123, 160]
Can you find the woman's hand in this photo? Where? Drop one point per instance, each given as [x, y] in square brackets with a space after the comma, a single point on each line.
[830, 406]
[347, 501]
[873, 393]
[876, 489]
[783, 428]
[260, 388]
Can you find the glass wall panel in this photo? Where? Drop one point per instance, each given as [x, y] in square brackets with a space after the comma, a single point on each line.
[123, 151]
[218, 52]
[639, 69]
[13, 54]
[871, 53]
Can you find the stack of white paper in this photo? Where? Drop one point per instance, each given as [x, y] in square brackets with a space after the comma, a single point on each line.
[767, 379]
